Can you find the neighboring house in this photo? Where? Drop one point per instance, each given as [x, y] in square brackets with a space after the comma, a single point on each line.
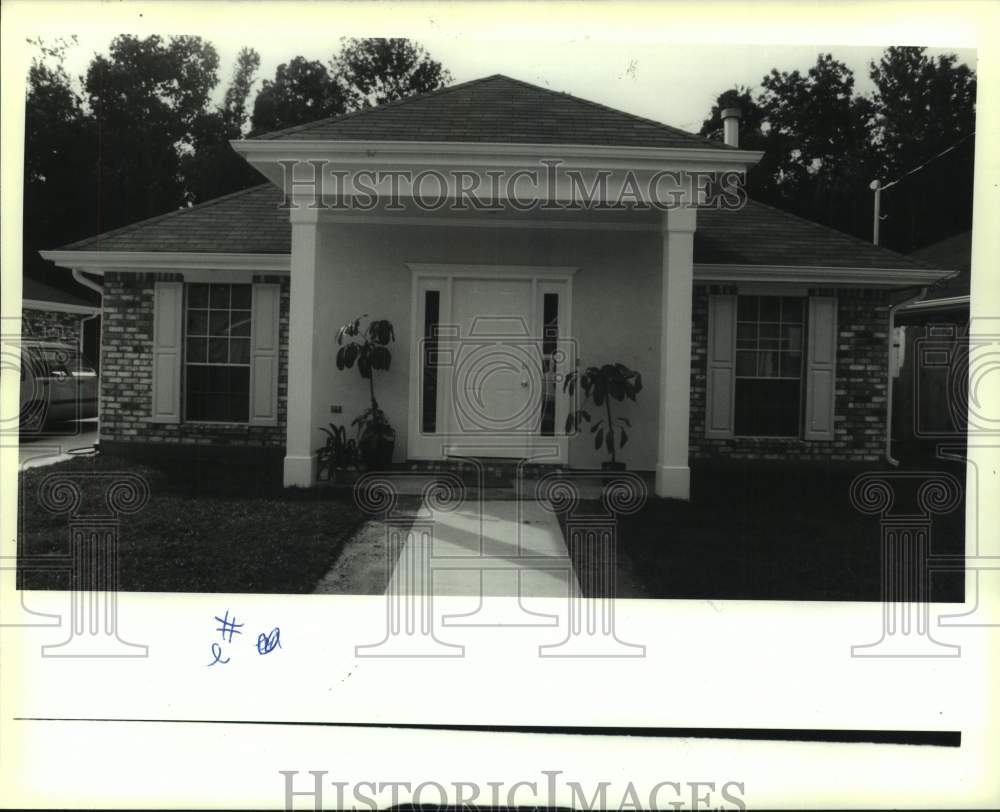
[930, 397]
[759, 335]
[53, 314]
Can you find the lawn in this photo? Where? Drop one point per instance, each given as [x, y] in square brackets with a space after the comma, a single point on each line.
[206, 528]
[780, 533]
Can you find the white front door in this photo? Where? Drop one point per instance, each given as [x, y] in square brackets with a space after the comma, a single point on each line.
[496, 384]
[491, 344]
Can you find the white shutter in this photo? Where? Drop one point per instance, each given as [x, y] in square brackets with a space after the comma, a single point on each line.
[168, 339]
[264, 356]
[821, 367]
[721, 366]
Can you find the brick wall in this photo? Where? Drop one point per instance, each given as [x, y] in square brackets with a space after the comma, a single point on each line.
[51, 325]
[127, 372]
[860, 397]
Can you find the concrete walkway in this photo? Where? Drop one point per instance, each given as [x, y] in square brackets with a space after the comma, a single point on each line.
[503, 545]
[53, 447]
[489, 548]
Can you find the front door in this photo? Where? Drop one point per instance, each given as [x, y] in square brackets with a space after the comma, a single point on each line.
[497, 375]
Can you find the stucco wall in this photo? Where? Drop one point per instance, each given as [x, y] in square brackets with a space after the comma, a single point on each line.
[127, 372]
[860, 393]
[615, 314]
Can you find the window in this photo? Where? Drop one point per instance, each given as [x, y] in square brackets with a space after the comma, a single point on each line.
[217, 352]
[769, 338]
[432, 307]
[550, 341]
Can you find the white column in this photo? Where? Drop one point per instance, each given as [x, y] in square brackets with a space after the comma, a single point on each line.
[300, 457]
[673, 476]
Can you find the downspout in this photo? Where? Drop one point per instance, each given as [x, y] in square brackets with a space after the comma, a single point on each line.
[888, 394]
[89, 283]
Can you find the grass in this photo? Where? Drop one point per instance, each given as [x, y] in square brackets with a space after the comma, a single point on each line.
[206, 528]
[768, 534]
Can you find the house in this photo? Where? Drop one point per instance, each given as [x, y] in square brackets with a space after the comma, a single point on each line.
[759, 335]
[51, 313]
[931, 379]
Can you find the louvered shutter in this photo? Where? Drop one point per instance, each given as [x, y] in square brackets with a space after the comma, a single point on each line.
[264, 355]
[168, 339]
[721, 371]
[821, 367]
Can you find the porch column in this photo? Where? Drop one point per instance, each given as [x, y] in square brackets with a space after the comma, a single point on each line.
[673, 476]
[300, 459]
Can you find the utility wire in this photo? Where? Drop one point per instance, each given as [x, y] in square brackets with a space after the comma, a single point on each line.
[929, 160]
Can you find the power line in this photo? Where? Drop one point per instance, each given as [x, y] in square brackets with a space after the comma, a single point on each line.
[929, 160]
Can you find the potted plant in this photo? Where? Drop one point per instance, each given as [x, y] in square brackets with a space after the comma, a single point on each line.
[368, 348]
[338, 457]
[602, 385]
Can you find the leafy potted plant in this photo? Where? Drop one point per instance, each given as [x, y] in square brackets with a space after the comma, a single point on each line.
[602, 385]
[338, 457]
[368, 348]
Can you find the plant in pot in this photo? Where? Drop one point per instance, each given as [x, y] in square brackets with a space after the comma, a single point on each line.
[601, 385]
[368, 348]
[337, 459]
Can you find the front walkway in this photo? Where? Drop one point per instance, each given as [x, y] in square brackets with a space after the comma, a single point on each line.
[487, 548]
[499, 541]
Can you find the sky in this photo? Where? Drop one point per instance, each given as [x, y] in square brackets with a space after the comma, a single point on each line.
[673, 83]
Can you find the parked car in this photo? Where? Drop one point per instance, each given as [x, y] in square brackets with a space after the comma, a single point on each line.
[57, 384]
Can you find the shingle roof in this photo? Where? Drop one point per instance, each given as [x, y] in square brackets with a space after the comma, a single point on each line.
[496, 110]
[955, 254]
[34, 290]
[245, 222]
[759, 234]
[251, 222]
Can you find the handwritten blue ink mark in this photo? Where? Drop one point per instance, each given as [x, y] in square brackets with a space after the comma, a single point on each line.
[229, 627]
[266, 643]
[217, 653]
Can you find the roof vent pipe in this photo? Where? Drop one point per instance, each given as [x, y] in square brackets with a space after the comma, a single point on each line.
[731, 126]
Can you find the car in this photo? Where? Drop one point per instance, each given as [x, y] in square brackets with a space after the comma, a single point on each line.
[57, 385]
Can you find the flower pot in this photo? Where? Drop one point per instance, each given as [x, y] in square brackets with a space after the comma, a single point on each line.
[376, 450]
[612, 466]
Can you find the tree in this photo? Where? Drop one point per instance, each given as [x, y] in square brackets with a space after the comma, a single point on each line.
[59, 165]
[363, 73]
[301, 91]
[922, 107]
[374, 71]
[824, 143]
[147, 98]
[211, 167]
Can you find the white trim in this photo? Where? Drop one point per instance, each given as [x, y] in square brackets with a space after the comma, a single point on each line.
[141, 261]
[943, 303]
[498, 271]
[492, 154]
[59, 307]
[817, 275]
[365, 218]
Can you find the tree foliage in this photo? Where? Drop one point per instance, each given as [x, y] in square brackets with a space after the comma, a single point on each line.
[824, 143]
[138, 134]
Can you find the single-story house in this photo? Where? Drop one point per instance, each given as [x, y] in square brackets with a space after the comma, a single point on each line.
[758, 334]
[54, 314]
